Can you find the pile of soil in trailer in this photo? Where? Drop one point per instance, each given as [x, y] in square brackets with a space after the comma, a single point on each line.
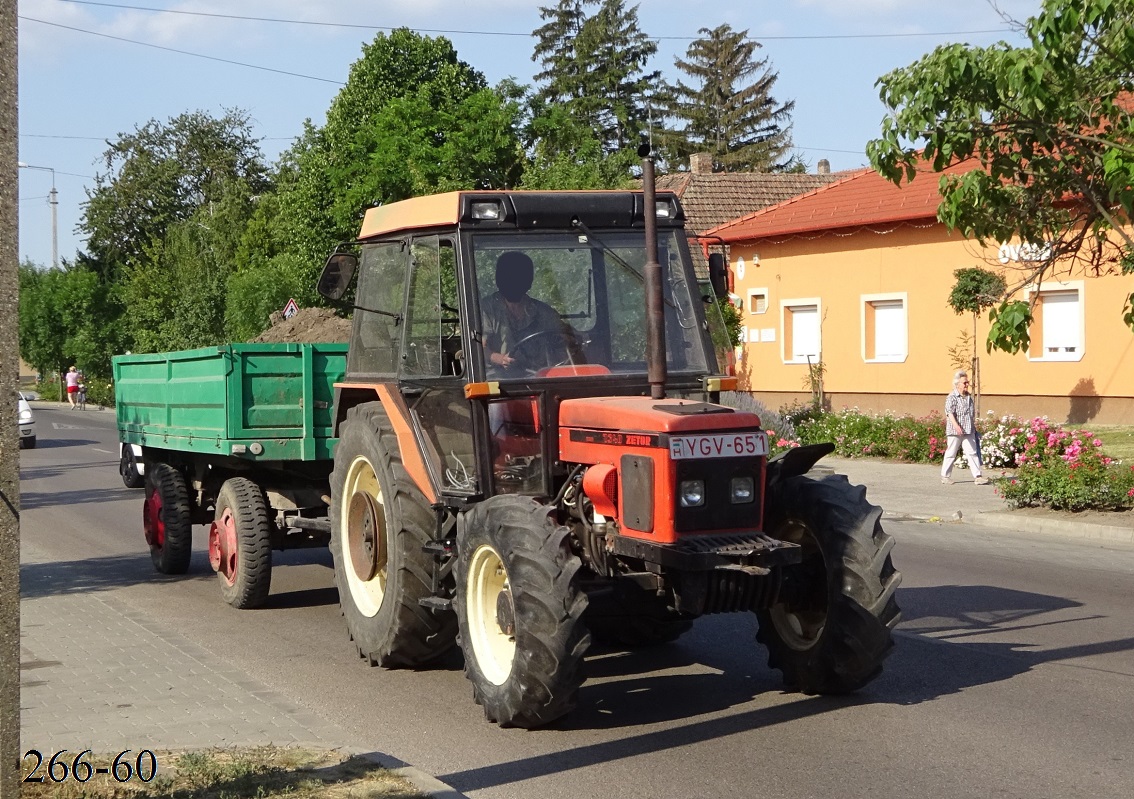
[309, 326]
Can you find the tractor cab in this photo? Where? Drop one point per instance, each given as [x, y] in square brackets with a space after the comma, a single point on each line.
[517, 301]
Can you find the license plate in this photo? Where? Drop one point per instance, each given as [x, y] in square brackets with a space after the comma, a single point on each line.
[722, 445]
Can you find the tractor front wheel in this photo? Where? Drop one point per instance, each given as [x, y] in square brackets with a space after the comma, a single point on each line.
[380, 522]
[833, 625]
[165, 518]
[520, 612]
[240, 544]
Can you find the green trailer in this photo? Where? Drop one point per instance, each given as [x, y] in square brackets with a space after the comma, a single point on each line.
[239, 437]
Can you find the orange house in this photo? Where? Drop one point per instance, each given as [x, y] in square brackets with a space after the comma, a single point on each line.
[855, 276]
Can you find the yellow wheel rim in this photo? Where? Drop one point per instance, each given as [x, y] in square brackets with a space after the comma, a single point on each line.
[494, 649]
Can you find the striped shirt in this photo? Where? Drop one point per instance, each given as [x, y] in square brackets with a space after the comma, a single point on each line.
[963, 407]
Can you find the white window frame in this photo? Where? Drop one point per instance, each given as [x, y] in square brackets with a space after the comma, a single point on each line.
[756, 293]
[1059, 287]
[891, 297]
[785, 308]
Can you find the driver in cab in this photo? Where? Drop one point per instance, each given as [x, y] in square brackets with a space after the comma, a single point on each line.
[520, 331]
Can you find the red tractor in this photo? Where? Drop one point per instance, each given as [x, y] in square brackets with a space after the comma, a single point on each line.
[532, 455]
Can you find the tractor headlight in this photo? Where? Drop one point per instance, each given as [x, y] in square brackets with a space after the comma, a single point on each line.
[691, 493]
[741, 490]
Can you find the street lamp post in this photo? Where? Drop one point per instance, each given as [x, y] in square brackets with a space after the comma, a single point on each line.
[53, 201]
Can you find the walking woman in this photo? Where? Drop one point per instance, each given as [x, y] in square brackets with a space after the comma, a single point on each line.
[960, 429]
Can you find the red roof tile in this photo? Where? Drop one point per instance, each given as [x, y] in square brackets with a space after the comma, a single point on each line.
[711, 199]
[858, 199]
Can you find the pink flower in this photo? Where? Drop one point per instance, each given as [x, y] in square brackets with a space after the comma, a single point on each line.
[1097, 442]
[1130, 493]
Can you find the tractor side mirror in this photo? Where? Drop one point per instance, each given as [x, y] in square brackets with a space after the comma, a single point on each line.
[718, 274]
[337, 274]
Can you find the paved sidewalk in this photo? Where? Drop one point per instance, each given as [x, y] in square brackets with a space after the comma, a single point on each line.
[97, 674]
[915, 491]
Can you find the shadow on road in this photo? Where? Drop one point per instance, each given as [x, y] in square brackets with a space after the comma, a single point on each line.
[100, 574]
[33, 473]
[57, 443]
[952, 638]
[31, 500]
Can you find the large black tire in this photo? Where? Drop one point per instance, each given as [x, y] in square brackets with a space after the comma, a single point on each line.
[521, 612]
[834, 626]
[632, 617]
[128, 468]
[240, 544]
[165, 517]
[380, 586]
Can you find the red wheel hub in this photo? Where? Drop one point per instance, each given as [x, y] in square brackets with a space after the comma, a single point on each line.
[151, 520]
[222, 546]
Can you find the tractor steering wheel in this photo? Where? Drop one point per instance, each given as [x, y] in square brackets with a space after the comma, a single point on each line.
[518, 346]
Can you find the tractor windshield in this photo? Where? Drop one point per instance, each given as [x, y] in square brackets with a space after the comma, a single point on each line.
[552, 301]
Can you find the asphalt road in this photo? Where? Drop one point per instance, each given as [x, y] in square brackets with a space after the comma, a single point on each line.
[1013, 674]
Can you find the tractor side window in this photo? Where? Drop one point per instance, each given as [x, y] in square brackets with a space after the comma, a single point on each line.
[432, 337]
[445, 417]
[381, 290]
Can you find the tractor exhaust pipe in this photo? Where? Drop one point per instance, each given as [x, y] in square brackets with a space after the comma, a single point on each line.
[655, 308]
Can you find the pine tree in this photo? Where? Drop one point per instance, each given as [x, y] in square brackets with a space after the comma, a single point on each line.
[594, 65]
[729, 110]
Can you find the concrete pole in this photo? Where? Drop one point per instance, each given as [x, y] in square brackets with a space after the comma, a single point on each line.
[9, 434]
[53, 199]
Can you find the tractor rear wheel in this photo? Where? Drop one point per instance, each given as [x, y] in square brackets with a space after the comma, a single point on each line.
[380, 522]
[832, 628]
[240, 544]
[520, 611]
[165, 518]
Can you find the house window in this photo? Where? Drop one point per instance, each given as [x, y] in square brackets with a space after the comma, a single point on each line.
[757, 301]
[1057, 326]
[884, 328]
[801, 337]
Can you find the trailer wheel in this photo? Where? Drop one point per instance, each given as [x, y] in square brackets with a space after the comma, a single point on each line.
[240, 544]
[128, 468]
[832, 628]
[520, 612]
[380, 522]
[165, 518]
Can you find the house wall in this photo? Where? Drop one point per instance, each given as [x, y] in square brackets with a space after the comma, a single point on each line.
[917, 265]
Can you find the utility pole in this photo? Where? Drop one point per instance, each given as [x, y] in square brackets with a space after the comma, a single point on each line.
[9, 371]
[53, 201]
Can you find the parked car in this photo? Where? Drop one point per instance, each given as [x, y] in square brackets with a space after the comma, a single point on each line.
[27, 423]
[131, 467]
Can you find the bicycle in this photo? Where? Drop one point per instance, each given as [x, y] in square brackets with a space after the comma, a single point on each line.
[81, 397]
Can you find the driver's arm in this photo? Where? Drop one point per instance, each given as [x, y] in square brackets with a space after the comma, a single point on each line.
[493, 340]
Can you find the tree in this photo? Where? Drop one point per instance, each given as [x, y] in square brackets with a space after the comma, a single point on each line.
[1050, 136]
[729, 110]
[975, 291]
[159, 175]
[594, 71]
[412, 119]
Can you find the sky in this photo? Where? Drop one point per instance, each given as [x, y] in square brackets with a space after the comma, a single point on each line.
[90, 71]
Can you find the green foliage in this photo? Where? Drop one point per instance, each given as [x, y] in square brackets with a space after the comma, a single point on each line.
[729, 110]
[1009, 329]
[594, 72]
[857, 435]
[159, 175]
[733, 320]
[253, 294]
[1067, 470]
[976, 290]
[1047, 129]
[412, 119]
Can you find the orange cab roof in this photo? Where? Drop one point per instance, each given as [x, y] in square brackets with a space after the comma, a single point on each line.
[416, 212]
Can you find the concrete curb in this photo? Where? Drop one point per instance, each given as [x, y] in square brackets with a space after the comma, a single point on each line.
[425, 783]
[1006, 520]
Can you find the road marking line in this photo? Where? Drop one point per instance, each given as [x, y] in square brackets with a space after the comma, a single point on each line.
[108, 452]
